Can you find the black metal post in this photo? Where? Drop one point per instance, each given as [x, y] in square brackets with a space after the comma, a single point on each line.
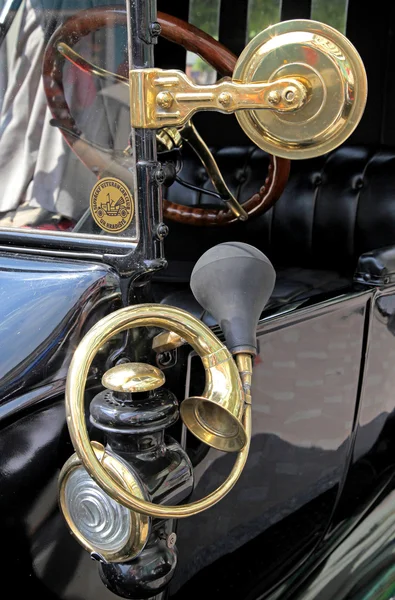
[137, 268]
[143, 32]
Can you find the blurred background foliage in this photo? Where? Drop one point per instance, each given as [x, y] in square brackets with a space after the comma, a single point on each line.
[261, 13]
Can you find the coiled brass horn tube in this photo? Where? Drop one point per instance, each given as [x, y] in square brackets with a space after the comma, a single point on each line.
[222, 377]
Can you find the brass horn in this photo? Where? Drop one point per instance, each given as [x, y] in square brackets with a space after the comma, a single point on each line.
[225, 387]
[233, 281]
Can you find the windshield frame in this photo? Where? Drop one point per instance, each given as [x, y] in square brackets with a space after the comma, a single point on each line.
[87, 245]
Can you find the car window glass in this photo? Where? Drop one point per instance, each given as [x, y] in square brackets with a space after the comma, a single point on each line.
[205, 15]
[333, 13]
[261, 14]
[44, 184]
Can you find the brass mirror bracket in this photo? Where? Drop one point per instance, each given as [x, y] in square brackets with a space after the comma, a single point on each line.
[160, 98]
[168, 137]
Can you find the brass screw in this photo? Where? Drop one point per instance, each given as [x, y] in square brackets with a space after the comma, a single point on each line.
[164, 99]
[274, 97]
[225, 98]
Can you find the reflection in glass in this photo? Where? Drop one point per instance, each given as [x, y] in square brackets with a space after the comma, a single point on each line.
[333, 13]
[261, 14]
[205, 15]
[44, 184]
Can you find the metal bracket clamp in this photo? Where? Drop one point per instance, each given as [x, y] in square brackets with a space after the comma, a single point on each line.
[160, 98]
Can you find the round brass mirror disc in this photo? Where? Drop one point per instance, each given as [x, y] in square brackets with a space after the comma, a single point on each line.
[335, 78]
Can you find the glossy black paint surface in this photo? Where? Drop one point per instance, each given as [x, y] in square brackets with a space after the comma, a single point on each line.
[45, 307]
[304, 393]
[357, 549]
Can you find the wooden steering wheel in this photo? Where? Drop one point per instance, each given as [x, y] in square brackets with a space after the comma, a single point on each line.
[192, 39]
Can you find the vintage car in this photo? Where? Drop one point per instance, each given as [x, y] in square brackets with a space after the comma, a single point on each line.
[197, 258]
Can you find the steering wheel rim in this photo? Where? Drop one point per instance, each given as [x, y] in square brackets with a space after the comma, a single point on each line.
[192, 39]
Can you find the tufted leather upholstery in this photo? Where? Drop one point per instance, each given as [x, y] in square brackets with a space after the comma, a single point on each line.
[334, 209]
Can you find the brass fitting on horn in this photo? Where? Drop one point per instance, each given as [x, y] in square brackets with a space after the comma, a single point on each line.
[221, 417]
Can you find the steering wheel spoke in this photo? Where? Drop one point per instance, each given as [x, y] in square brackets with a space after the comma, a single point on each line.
[85, 65]
[199, 146]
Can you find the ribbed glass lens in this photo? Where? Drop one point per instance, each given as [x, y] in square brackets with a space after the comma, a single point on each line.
[104, 523]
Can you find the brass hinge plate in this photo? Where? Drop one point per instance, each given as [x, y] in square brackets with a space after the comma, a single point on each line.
[161, 98]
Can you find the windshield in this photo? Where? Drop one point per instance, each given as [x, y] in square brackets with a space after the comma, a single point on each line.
[45, 184]
[64, 107]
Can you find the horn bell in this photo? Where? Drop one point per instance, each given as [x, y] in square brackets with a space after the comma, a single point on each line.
[214, 424]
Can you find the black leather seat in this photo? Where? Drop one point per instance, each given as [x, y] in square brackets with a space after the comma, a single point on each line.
[327, 231]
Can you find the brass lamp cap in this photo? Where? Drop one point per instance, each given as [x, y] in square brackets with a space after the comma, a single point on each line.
[133, 377]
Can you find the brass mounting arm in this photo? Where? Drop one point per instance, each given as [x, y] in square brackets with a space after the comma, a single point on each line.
[169, 137]
[160, 98]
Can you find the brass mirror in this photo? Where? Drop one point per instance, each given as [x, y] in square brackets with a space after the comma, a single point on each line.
[333, 74]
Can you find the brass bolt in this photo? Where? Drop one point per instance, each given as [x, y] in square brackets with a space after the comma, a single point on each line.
[274, 97]
[164, 99]
[290, 95]
[225, 98]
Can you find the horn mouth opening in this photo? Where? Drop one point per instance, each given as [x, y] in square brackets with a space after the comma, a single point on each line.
[213, 424]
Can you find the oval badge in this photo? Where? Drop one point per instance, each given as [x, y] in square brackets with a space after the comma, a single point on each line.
[112, 205]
